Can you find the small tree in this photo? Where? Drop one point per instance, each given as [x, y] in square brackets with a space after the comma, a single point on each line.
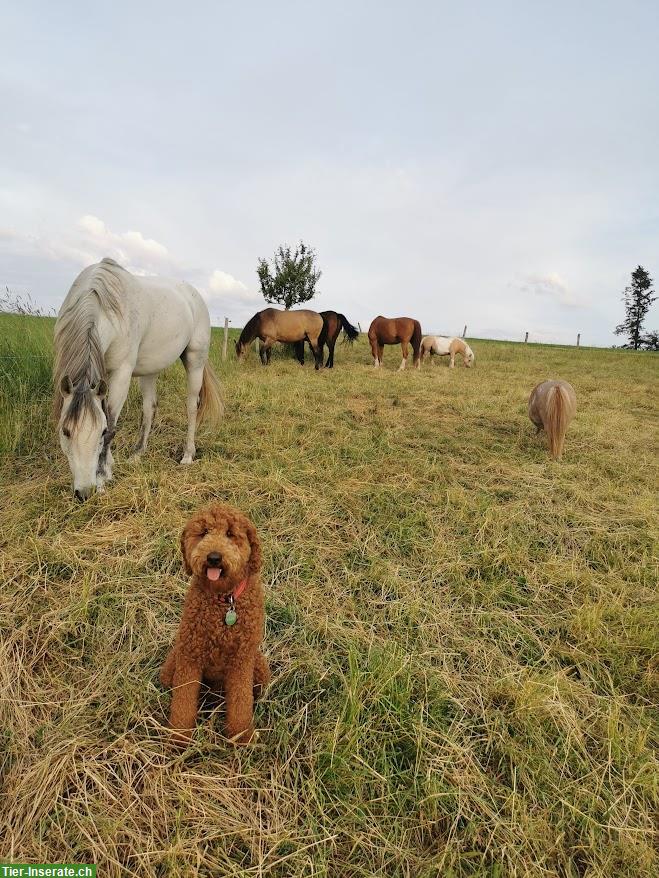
[293, 277]
[637, 298]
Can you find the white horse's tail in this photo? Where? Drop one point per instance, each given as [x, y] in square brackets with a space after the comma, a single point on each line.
[556, 420]
[211, 407]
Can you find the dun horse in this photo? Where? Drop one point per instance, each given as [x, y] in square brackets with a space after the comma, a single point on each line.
[111, 326]
[443, 347]
[552, 406]
[272, 325]
[334, 323]
[395, 330]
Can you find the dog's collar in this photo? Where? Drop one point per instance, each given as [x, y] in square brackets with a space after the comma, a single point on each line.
[234, 595]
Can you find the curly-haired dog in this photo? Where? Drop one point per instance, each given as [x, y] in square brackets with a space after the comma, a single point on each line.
[220, 634]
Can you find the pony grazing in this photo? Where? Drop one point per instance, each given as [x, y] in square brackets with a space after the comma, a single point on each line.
[552, 405]
[444, 346]
[395, 330]
[333, 324]
[272, 325]
[111, 326]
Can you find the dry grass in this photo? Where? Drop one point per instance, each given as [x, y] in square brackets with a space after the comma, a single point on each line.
[462, 631]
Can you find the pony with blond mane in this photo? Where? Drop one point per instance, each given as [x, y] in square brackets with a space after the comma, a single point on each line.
[552, 405]
[113, 325]
[444, 346]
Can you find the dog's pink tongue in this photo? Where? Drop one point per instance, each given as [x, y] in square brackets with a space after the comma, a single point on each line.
[213, 573]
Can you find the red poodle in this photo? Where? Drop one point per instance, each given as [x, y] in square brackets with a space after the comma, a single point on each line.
[220, 634]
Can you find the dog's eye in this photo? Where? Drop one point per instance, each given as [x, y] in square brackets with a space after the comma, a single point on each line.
[203, 532]
[230, 534]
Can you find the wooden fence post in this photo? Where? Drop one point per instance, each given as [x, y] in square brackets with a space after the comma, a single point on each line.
[526, 338]
[578, 338]
[464, 331]
[226, 338]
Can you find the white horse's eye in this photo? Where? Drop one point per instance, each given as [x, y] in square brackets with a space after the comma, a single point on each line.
[66, 433]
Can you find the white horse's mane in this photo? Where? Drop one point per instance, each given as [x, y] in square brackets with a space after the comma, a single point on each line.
[78, 353]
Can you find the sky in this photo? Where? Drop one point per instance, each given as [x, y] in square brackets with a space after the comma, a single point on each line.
[480, 163]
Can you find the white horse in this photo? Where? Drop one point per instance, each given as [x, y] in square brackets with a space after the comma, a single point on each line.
[447, 346]
[111, 326]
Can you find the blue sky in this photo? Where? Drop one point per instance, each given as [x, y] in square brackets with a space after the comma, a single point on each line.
[495, 164]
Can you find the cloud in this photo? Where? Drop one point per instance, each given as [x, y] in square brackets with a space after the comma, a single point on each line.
[550, 286]
[91, 239]
[220, 282]
[131, 249]
[227, 296]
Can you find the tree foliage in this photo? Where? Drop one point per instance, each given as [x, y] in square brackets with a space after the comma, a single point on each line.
[637, 298]
[293, 276]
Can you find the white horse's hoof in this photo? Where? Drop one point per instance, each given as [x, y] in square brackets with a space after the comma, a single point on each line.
[186, 459]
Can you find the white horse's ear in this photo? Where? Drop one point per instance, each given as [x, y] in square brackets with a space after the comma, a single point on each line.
[65, 386]
[102, 389]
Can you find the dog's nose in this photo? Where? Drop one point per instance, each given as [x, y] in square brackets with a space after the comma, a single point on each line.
[214, 559]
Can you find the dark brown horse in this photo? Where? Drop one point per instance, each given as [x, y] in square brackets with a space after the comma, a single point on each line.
[272, 325]
[334, 323]
[395, 330]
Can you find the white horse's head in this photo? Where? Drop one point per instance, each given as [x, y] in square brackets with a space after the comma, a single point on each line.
[469, 357]
[83, 432]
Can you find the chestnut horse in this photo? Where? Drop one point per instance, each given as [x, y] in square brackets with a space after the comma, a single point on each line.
[395, 330]
[272, 325]
[552, 406]
[334, 323]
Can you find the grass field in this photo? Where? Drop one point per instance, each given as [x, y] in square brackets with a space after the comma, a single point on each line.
[463, 632]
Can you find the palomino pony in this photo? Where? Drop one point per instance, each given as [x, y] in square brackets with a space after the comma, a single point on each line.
[552, 406]
[111, 326]
[272, 325]
[443, 347]
[395, 330]
[334, 323]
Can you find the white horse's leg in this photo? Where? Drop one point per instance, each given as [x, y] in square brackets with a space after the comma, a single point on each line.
[194, 364]
[452, 361]
[119, 385]
[148, 387]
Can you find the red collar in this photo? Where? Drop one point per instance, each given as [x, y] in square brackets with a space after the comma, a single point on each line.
[234, 595]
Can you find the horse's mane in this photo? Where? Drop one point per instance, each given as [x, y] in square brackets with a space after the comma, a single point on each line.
[78, 353]
[248, 333]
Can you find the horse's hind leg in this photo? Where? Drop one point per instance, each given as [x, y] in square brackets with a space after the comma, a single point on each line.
[148, 387]
[299, 352]
[330, 356]
[194, 366]
[405, 348]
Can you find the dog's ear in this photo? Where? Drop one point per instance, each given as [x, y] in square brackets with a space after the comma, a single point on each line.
[254, 563]
[185, 536]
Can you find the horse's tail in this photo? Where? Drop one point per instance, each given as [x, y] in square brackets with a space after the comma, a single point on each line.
[556, 420]
[211, 407]
[416, 339]
[348, 328]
